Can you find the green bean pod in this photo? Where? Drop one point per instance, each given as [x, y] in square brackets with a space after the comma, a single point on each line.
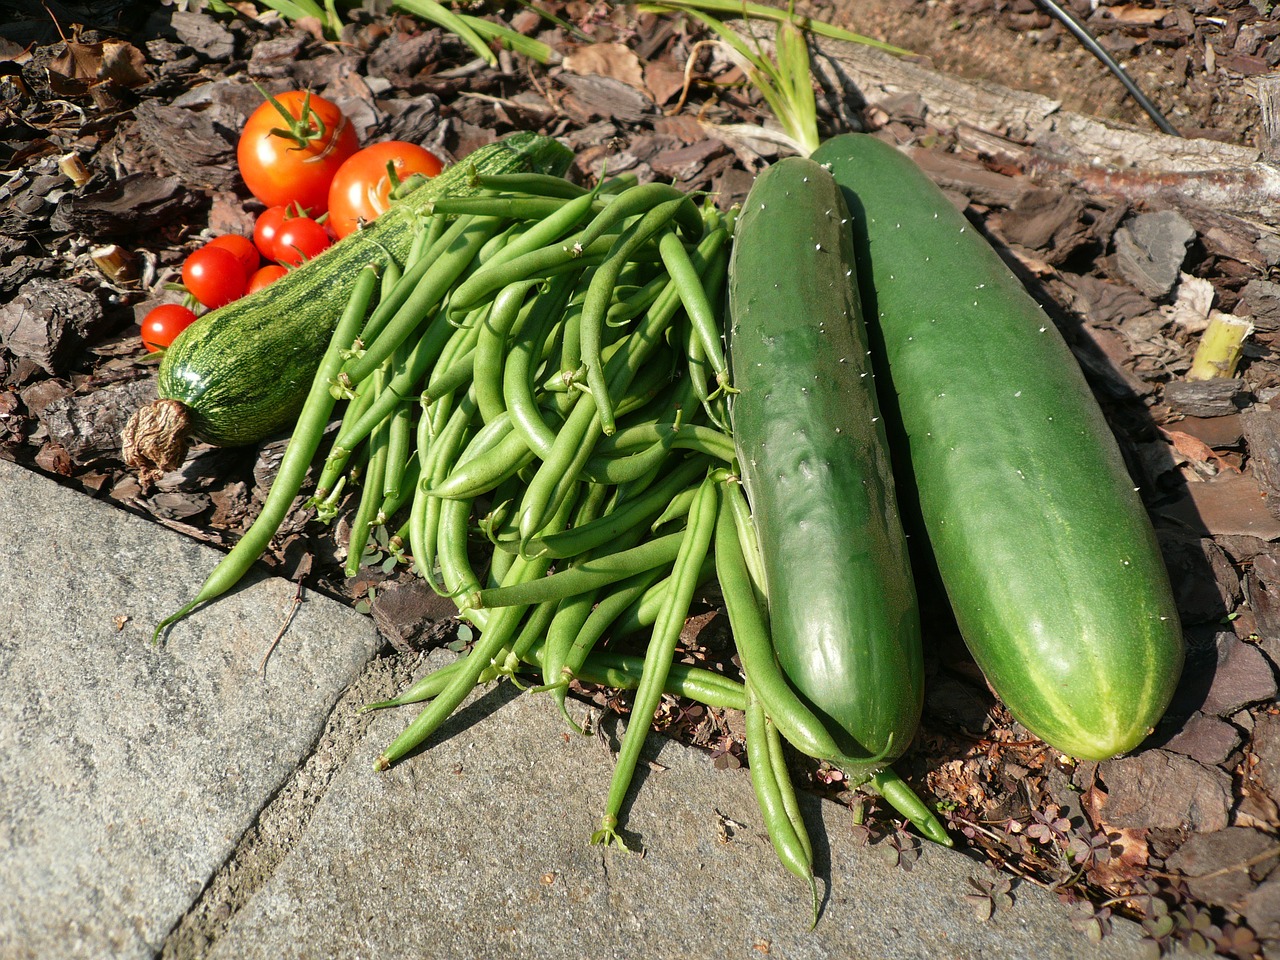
[301, 448]
[695, 543]
[785, 833]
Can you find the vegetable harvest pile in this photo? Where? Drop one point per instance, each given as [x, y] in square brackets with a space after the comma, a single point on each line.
[581, 406]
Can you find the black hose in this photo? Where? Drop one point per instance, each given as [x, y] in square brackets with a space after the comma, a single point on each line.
[1086, 38]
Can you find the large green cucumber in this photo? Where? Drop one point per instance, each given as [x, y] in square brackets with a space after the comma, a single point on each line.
[817, 472]
[243, 371]
[1048, 557]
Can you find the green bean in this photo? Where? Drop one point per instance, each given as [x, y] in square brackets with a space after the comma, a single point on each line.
[607, 669]
[500, 630]
[678, 508]
[413, 274]
[434, 284]
[785, 833]
[536, 184]
[399, 435]
[408, 472]
[696, 303]
[500, 563]
[382, 401]
[624, 310]
[750, 625]
[694, 545]
[599, 297]
[597, 572]
[302, 446]
[560, 469]
[643, 613]
[425, 688]
[626, 672]
[457, 576]
[572, 613]
[638, 201]
[905, 800]
[479, 475]
[370, 494]
[517, 387]
[687, 436]
[491, 345]
[578, 540]
[562, 661]
[539, 263]
[492, 205]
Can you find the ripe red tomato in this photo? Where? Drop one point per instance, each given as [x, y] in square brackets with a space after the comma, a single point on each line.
[214, 276]
[301, 238]
[242, 247]
[266, 228]
[265, 276]
[290, 153]
[161, 325]
[361, 187]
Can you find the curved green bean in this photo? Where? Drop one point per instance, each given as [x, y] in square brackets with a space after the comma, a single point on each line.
[303, 443]
[695, 542]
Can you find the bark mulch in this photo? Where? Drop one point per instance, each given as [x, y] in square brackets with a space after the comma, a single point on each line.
[1182, 834]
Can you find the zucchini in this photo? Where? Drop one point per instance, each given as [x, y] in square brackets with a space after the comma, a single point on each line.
[816, 468]
[240, 373]
[1048, 557]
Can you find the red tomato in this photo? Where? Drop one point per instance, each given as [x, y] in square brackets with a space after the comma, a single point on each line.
[266, 228]
[161, 325]
[301, 238]
[242, 247]
[264, 276]
[361, 187]
[292, 160]
[214, 276]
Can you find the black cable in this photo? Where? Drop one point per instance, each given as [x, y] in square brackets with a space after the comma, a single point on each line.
[1086, 38]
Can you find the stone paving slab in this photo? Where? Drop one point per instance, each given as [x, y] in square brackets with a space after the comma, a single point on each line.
[128, 771]
[477, 847]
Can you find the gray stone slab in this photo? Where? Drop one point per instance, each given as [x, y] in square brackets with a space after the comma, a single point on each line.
[129, 771]
[477, 847]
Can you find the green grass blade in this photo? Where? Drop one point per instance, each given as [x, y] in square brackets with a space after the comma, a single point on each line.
[737, 8]
[512, 40]
[443, 17]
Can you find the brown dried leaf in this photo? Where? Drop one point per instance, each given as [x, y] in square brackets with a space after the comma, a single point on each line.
[123, 64]
[79, 61]
[607, 60]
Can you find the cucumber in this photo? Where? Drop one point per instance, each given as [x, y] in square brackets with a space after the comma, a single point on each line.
[1048, 557]
[240, 373]
[816, 468]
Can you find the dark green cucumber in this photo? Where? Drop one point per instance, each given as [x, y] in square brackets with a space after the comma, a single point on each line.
[244, 370]
[1048, 557]
[817, 472]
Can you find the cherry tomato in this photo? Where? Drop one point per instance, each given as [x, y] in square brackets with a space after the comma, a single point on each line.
[290, 152]
[266, 228]
[161, 325]
[242, 247]
[214, 276]
[301, 238]
[361, 187]
[264, 276]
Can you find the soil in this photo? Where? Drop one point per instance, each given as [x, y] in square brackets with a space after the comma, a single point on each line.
[1181, 835]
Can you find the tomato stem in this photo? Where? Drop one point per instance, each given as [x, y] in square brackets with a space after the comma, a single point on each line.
[302, 129]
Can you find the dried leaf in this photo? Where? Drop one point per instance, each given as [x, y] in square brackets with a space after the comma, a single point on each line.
[607, 60]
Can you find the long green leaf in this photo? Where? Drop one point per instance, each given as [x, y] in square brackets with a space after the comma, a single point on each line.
[757, 11]
[511, 39]
[443, 17]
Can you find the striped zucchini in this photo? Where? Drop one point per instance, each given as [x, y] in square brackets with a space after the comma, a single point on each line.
[1048, 557]
[816, 468]
[241, 372]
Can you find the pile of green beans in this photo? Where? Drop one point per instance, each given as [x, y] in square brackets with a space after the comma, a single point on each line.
[536, 401]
